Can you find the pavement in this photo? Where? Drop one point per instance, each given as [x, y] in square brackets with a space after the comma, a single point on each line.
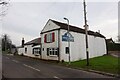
[115, 53]
[24, 67]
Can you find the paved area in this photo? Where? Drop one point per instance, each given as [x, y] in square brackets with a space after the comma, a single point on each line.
[115, 53]
[24, 67]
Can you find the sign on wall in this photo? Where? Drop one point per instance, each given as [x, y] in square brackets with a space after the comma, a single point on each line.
[67, 36]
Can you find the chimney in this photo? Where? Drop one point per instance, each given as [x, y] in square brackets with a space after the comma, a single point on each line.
[98, 31]
[23, 42]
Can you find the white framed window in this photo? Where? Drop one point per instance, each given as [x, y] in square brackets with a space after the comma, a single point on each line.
[37, 51]
[52, 51]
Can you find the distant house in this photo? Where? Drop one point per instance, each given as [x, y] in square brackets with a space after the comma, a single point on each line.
[54, 42]
[112, 46]
[31, 48]
[110, 40]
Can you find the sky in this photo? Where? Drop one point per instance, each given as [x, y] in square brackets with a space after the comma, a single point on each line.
[27, 19]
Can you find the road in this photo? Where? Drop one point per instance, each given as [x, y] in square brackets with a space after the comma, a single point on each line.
[24, 67]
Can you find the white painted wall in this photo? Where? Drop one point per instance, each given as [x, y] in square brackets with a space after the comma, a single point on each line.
[49, 45]
[50, 26]
[20, 51]
[30, 51]
[77, 48]
[97, 46]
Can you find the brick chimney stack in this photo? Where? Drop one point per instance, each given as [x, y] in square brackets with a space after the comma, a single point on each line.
[23, 41]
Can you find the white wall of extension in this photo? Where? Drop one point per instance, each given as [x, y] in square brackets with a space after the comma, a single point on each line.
[29, 51]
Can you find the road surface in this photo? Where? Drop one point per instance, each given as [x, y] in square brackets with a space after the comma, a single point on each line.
[24, 67]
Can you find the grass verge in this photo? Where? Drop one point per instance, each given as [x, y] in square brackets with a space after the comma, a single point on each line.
[105, 63]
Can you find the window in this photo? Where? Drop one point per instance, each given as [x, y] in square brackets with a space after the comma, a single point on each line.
[56, 51]
[49, 38]
[25, 50]
[67, 50]
[52, 51]
[37, 51]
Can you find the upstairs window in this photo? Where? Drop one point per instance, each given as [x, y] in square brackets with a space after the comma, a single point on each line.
[49, 38]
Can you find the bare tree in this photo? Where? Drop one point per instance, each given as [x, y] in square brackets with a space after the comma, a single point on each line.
[6, 41]
[4, 5]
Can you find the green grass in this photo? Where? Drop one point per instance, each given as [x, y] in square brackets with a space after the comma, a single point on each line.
[105, 63]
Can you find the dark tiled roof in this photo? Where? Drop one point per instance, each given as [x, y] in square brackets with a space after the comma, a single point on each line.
[36, 41]
[110, 40]
[76, 29]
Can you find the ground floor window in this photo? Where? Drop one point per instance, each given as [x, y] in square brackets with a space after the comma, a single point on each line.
[37, 51]
[67, 50]
[52, 51]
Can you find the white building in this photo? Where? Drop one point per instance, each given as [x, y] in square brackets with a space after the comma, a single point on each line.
[31, 48]
[54, 42]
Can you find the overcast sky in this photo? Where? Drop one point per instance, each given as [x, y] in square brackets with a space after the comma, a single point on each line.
[27, 19]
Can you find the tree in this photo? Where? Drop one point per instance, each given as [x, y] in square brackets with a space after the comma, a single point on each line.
[6, 42]
[4, 5]
[118, 38]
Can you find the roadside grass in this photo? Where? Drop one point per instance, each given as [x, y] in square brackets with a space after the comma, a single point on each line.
[106, 63]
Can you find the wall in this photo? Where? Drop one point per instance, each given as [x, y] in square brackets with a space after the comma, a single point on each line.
[20, 51]
[49, 45]
[50, 26]
[97, 46]
[77, 48]
[30, 51]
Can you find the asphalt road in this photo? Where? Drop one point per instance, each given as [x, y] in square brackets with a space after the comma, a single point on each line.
[24, 67]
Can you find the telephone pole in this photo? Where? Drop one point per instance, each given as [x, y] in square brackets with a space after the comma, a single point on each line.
[86, 33]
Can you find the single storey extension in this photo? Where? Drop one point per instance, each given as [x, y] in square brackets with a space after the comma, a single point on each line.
[31, 48]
